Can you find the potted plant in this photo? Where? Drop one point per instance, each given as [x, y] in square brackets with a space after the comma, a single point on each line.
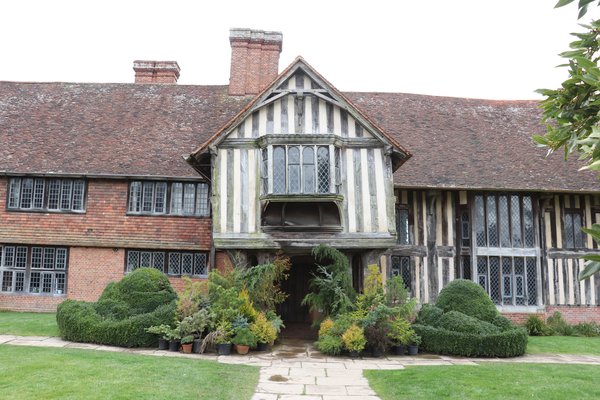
[354, 340]
[377, 338]
[195, 325]
[243, 340]
[400, 334]
[413, 347]
[163, 331]
[264, 331]
[186, 343]
[174, 339]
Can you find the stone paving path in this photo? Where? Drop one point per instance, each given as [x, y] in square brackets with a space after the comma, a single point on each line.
[295, 370]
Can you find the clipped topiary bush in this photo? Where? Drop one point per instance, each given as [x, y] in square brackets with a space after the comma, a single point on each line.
[429, 315]
[468, 298]
[509, 343]
[125, 309]
[459, 322]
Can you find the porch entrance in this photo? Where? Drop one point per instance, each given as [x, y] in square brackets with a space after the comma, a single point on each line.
[296, 316]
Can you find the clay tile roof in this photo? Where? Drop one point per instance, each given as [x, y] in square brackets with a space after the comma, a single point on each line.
[472, 144]
[108, 129]
[144, 130]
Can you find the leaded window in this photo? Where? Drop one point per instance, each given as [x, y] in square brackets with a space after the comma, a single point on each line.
[174, 263]
[402, 225]
[573, 236]
[176, 198]
[302, 169]
[44, 194]
[33, 269]
[401, 267]
[506, 253]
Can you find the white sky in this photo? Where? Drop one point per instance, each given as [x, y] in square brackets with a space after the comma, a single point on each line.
[465, 48]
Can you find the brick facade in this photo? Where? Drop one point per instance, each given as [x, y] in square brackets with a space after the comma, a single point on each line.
[572, 314]
[104, 224]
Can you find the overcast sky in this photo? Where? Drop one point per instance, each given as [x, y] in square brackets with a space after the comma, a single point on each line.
[465, 48]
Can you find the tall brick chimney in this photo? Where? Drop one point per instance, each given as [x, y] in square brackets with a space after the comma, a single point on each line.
[156, 71]
[254, 60]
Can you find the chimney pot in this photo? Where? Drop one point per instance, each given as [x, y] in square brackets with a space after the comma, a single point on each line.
[165, 72]
[254, 60]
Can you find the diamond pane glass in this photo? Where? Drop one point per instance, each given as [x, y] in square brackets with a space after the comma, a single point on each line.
[174, 264]
[265, 171]
[308, 169]
[145, 259]
[528, 227]
[503, 221]
[323, 169]
[294, 169]
[402, 226]
[494, 290]
[187, 262]
[577, 233]
[531, 281]
[492, 225]
[200, 265]
[465, 229]
[515, 213]
[158, 260]
[279, 169]
[479, 221]
[133, 260]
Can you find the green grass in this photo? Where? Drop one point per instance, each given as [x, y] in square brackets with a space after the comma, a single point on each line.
[563, 345]
[49, 373]
[488, 381]
[28, 324]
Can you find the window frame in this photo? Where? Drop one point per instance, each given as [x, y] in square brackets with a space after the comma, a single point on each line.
[50, 261]
[166, 256]
[577, 236]
[176, 195]
[405, 270]
[43, 192]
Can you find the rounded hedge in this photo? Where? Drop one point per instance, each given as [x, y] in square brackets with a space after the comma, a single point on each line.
[468, 298]
[429, 315]
[125, 309]
[508, 343]
[459, 322]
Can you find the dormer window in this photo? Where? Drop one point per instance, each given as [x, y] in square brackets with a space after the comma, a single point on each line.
[301, 169]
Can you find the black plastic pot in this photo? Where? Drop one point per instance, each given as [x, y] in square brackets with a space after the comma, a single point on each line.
[399, 350]
[262, 346]
[353, 354]
[413, 350]
[376, 352]
[163, 344]
[224, 349]
[174, 345]
[196, 345]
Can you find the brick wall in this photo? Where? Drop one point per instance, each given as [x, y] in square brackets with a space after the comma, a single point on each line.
[572, 314]
[104, 224]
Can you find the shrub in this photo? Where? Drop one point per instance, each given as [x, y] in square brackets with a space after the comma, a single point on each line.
[459, 322]
[536, 327]
[502, 322]
[264, 283]
[377, 336]
[509, 343]
[325, 327]
[341, 324]
[559, 325]
[589, 329]
[354, 339]
[429, 315]
[328, 344]
[263, 329]
[400, 332]
[468, 298]
[142, 299]
[244, 337]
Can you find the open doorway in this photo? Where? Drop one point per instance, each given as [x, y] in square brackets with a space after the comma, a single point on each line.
[296, 316]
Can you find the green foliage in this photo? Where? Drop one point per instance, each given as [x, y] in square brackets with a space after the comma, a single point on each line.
[275, 320]
[325, 326]
[377, 336]
[509, 343]
[459, 322]
[125, 310]
[244, 337]
[429, 315]
[502, 322]
[374, 281]
[329, 344]
[192, 296]
[162, 330]
[263, 329]
[331, 285]
[468, 298]
[558, 325]
[582, 5]
[396, 292]
[246, 307]
[589, 329]
[593, 265]
[354, 339]
[537, 327]
[400, 332]
[264, 283]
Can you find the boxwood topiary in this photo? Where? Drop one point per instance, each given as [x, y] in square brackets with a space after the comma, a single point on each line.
[125, 309]
[509, 343]
[469, 298]
[429, 315]
[459, 322]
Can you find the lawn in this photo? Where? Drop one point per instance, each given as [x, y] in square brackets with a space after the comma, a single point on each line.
[488, 381]
[563, 345]
[48, 373]
[28, 324]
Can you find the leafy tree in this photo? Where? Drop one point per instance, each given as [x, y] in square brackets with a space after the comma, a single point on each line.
[572, 112]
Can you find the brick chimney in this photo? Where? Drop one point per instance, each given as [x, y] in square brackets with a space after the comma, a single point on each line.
[156, 71]
[254, 60]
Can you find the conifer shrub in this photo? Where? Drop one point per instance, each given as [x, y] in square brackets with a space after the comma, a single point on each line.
[142, 299]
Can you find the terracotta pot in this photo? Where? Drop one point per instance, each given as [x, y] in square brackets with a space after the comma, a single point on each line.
[242, 349]
[187, 347]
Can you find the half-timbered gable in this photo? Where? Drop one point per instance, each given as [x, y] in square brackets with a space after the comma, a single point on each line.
[302, 158]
